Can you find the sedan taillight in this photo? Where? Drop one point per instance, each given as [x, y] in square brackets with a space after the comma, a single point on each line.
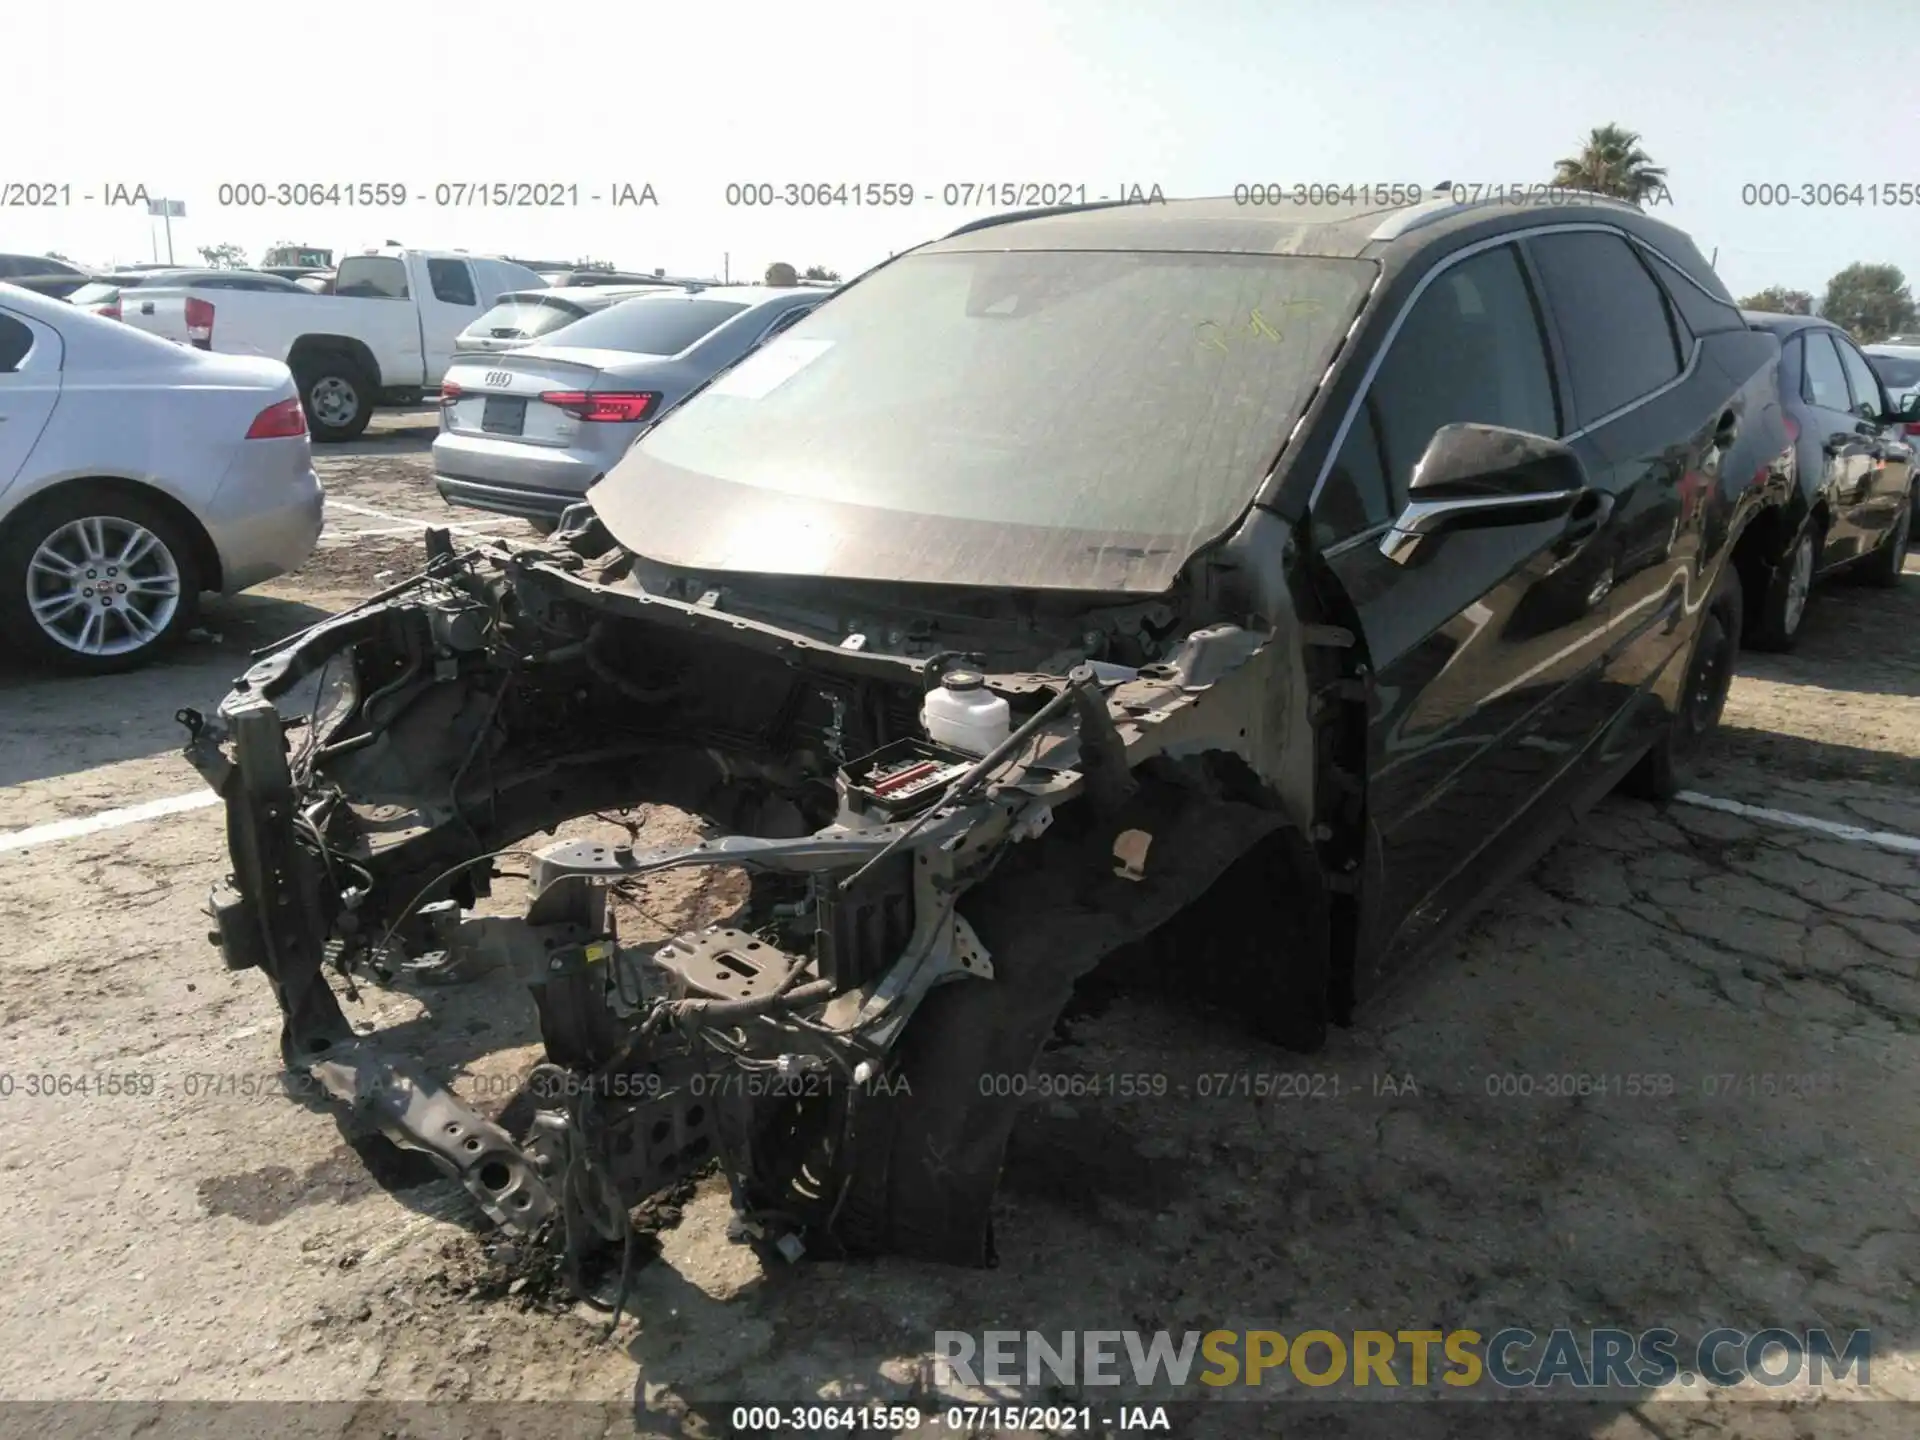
[109, 311]
[610, 405]
[279, 421]
[449, 392]
[200, 322]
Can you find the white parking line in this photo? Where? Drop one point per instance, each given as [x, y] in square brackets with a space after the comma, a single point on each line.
[407, 522]
[378, 532]
[1885, 839]
[105, 820]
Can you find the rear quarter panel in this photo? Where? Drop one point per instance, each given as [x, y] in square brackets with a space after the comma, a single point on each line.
[146, 425]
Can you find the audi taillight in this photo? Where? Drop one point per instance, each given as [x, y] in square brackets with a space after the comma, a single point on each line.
[200, 322]
[109, 311]
[1793, 430]
[618, 406]
[449, 392]
[278, 421]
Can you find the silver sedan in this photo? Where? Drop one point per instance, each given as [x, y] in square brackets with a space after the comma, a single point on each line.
[135, 474]
[528, 432]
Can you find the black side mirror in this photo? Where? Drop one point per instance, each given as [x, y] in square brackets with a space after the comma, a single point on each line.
[1477, 476]
[1906, 408]
[1463, 461]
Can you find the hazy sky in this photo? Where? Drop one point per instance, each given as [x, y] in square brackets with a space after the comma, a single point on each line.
[1194, 95]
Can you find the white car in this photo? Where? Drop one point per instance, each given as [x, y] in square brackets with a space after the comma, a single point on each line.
[385, 336]
[1897, 363]
[134, 475]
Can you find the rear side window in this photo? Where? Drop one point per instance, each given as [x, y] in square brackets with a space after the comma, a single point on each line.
[652, 325]
[1613, 320]
[1824, 382]
[452, 282]
[787, 321]
[524, 319]
[1703, 313]
[1470, 351]
[15, 341]
[372, 277]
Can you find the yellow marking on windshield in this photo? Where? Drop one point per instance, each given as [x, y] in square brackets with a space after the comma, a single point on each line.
[1214, 336]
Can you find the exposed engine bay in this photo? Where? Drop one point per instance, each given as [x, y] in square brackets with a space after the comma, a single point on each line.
[918, 909]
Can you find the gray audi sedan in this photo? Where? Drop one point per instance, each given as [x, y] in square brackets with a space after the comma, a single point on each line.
[528, 432]
[135, 474]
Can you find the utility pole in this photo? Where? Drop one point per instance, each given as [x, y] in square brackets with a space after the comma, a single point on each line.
[726, 266]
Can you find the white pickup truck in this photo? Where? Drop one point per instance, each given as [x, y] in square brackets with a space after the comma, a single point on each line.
[383, 337]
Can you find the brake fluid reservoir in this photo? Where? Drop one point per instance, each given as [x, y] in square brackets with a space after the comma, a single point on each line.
[963, 713]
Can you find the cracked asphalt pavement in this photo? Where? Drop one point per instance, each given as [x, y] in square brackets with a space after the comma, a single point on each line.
[1667, 1079]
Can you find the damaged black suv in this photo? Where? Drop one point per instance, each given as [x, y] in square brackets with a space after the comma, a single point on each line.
[1039, 579]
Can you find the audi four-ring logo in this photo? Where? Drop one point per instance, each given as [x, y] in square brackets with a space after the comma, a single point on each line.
[499, 377]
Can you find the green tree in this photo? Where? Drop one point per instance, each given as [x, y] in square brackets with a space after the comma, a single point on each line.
[224, 257]
[1779, 300]
[1871, 301]
[1611, 162]
[781, 273]
[820, 272]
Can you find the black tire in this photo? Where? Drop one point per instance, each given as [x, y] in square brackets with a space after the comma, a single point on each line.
[1667, 767]
[171, 559]
[337, 397]
[1789, 588]
[1885, 566]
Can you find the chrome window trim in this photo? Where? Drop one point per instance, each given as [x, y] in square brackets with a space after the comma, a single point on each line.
[1460, 256]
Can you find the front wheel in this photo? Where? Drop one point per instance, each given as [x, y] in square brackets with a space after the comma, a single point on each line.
[1889, 562]
[1667, 767]
[337, 398]
[94, 581]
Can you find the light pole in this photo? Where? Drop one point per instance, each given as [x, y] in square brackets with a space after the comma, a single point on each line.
[167, 210]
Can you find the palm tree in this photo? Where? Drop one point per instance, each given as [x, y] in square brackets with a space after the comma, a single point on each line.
[1611, 162]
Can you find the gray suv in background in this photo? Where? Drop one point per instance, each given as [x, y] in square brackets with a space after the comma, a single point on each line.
[528, 431]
